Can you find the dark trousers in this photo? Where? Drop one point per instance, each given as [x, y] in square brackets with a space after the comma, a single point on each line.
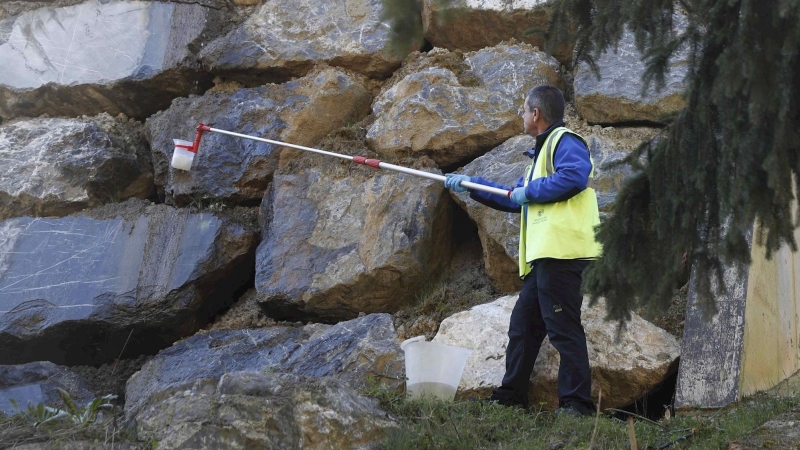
[549, 305]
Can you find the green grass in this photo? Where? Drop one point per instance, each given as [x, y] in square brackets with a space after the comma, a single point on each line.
[428, 424]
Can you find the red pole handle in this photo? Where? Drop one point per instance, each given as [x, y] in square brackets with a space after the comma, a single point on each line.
[367, 161]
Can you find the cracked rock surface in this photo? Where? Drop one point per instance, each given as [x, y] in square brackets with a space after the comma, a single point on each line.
[352, 352]
[618, 94]
[264, 410]
[54, 167]
[130, 57]
[455, 111]
[286, 39]
[494, 21]
[74, 290]
[340, 240]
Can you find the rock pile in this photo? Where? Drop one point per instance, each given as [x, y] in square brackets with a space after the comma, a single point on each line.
[107, 252]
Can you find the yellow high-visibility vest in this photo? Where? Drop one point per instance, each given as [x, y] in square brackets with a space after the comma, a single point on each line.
[561, 230]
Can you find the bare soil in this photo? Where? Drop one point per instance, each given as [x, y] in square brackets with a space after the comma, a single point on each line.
[245, 313]
[111, 378]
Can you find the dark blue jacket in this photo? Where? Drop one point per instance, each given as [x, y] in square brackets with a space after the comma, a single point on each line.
[572, 168]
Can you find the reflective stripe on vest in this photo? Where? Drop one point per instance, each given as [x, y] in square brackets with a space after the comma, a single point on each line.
[561, 230]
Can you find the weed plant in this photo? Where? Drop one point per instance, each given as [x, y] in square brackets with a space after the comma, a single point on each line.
[69, 427]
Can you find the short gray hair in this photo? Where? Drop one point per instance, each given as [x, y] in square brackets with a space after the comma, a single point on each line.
[549, 100]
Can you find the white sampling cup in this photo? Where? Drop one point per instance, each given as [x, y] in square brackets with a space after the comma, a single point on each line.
[432, 368]
[183, 155]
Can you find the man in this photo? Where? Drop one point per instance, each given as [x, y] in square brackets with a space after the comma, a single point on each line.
[558, 216]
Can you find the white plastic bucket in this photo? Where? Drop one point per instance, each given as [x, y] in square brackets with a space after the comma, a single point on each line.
[433, 369]
[183, 156]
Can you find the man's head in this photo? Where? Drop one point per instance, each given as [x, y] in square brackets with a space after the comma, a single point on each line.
[543, 107]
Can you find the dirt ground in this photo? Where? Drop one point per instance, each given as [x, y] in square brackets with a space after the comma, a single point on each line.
[111, 378]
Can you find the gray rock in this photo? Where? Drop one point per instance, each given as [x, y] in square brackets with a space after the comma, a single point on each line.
[353, 352]
[475, 24]
[74, 290]
[624, 366]
[36, 382]
[617, 95]
[14, 8]
[455, 117]
[608, 146]
[286, 39]
[513, 69]
[239, 170]
[55, 167]
[256, 410]
[607, 180]
[341, 240]
[129, 57]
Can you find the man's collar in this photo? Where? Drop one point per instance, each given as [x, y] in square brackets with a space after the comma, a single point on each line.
[541, 137]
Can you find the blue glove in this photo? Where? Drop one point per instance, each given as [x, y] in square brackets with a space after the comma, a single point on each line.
[453, 181]
[518, 196]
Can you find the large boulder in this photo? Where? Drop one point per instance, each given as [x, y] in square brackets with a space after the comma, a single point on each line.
[455, 117]
[286, 39]
[340, 240]
[36, 382]
[238, 170]
[475, 24]
[129, 57]
[264, 410]
[609, 147]
[616, 95]
[624, 367]
[54, 167]
[80, 289]
[357, 352]
[499, 231]
[17, 7]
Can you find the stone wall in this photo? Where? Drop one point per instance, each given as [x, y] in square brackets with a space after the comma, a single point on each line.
[107, 252]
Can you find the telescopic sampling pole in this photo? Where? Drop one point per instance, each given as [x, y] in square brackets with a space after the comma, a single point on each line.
[187, 150]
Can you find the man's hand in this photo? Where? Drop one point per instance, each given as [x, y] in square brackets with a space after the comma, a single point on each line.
[518, 196]
[453, 181]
